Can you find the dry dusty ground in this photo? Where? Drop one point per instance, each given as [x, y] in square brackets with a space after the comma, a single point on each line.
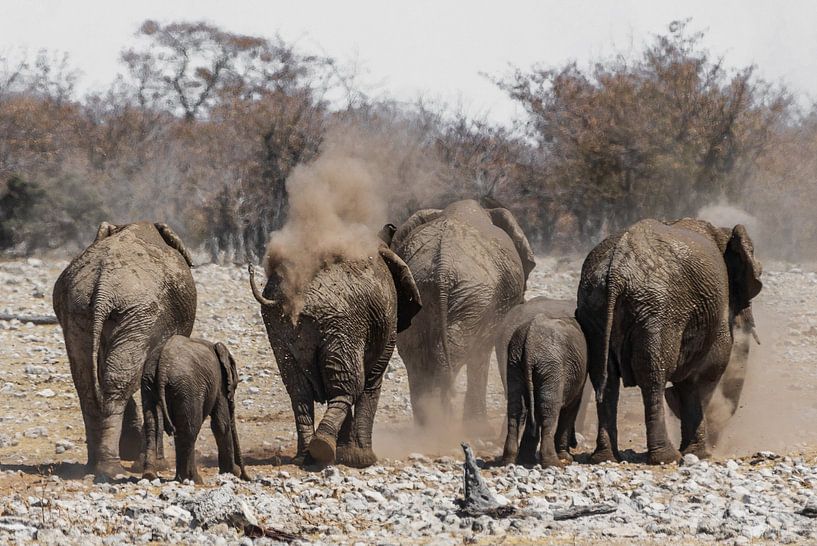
[408, 496]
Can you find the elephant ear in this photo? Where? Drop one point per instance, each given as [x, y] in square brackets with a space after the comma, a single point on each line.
[408, 296]
[174, 241]
[744, 269]
[105, 230]
[419, 218]
[504, 220]
[225, 358]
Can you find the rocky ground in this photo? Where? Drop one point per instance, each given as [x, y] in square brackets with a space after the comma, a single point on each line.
[760, 486]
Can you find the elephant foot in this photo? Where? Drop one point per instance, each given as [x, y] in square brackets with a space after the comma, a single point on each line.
[322, 449]
[195, 478]
[238, 472]
[602, 455]
[551, 461]
[507, 458]
[664, 455]
[107, 471]
[355, 457]
[565, 456]
[699, 450]
[149, 474]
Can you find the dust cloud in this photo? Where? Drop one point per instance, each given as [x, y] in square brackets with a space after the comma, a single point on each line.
[338, 203]
[777, 408]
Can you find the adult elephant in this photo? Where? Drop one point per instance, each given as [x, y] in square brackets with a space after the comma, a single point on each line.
[336, 348]
[117, 303]
[471, 266]
[659, 302]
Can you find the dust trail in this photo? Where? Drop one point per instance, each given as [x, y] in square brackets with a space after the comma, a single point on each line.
[777, 409]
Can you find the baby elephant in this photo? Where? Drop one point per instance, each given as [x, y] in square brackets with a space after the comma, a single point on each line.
[193, 379]
[547, 368]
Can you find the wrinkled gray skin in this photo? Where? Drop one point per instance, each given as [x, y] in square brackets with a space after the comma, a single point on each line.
[547, 368]
[471, 266]
[338, 349]
[660, 302]
[519, 315]
[117, 303]
[193, 379]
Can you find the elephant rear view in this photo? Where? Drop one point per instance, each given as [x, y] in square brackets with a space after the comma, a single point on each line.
[664, 302]
[194, 379]
[547, 368]
[336, 346]
[117, 303]
[471, 266]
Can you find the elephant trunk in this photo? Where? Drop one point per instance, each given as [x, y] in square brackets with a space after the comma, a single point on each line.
[255, 290]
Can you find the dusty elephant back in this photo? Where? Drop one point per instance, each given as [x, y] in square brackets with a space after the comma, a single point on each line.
[467, 256]
[133, 265]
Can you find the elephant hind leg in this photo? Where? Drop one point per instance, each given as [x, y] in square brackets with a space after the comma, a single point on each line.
[566, 429]
[342, 370]
[475, 413]
[652, 380]
[221, 425]
[607, 411]
[131, 441]
[365, 410]
[693, 419]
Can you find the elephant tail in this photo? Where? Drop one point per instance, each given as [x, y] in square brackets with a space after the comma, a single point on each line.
[102, 310]
[443, 309]
[528, 365]
[161, 381]
[613, 292]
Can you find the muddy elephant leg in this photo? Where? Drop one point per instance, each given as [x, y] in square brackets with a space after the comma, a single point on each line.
[566, 429]
[342, 368]
[420, 386]
[151, 431]
[221, 425]
[694, 433]
[475, 412]
[108, 464]
[515, 415]
[131, 442]
[650, 376]
[186, 468]
[365, 410]
[324, 444]
[607, 411]
[547, 418]
[659, 448]
[304, 409]
[93, 436]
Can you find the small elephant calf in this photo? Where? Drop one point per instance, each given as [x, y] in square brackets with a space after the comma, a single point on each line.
[193, 379]
[547, 368]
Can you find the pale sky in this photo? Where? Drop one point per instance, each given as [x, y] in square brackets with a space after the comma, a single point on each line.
[435, 48]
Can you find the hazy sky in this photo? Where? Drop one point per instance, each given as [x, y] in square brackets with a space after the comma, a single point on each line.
[435, 48]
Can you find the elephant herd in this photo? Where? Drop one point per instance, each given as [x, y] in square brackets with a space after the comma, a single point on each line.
[658, 303]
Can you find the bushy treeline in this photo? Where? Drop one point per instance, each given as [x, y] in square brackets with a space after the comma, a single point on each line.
[204, 126]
